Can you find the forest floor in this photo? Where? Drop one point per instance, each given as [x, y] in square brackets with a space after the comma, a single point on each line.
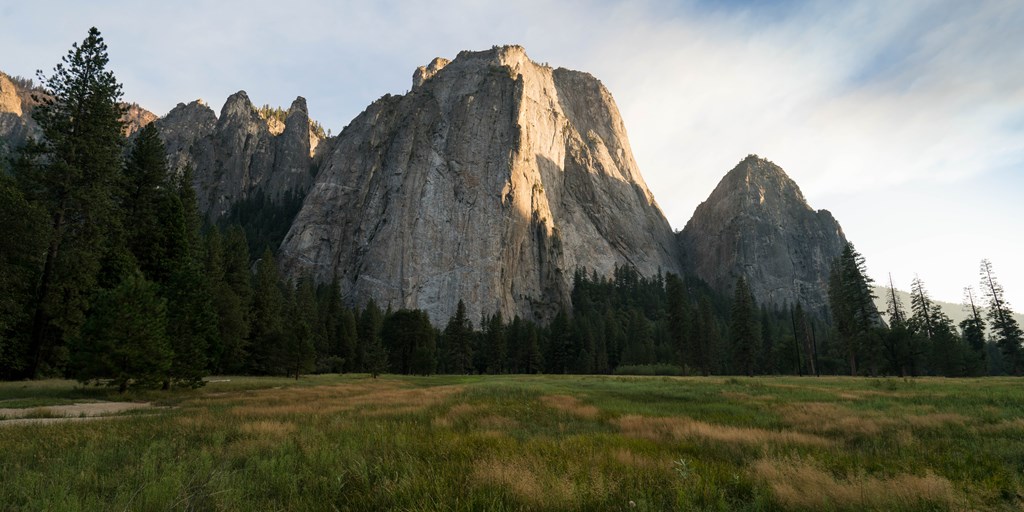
[350, 442]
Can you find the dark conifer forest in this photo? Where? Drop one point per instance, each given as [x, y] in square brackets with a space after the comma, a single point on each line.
[109, 274]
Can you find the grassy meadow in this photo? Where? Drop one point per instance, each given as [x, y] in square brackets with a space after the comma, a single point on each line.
[524, 443]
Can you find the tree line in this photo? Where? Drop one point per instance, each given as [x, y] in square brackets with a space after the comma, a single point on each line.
[923, 340]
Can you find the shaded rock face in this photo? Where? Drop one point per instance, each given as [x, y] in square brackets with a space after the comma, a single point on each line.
[491, 182]
[237, 154]
[756, 224]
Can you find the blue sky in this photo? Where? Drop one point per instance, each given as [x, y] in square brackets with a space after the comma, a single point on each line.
[905, 119]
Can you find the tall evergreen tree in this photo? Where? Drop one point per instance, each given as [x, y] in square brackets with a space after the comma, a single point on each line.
[802, 336]
[371, 347]
[458, 336]
[301, 332]
[899, 344]
[678, 320]
[972, 330]
[73, 174]
[156, 232]
[21, 247]
[534, 361]
[852, 306]
[494, 335]
[709, 335]
[411, 342]
[1004, 327]
[744, 329]
[267, 341]
[227, 269]
[348, 340]
[373, 354]
[124, 343]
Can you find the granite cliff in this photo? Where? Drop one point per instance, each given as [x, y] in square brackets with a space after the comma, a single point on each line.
[491, 181]
[240, 152]
[16, 123]
[757, 224]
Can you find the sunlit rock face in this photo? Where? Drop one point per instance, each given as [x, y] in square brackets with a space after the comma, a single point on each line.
[16, 123]
[491, 181]
[757, 224]
[239, 153]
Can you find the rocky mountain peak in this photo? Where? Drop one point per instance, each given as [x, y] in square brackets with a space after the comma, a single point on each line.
[297, 107]
[757, 184]
[424, 73]
[238, 108]
[757, 224]
[491, 182]
[135, 118]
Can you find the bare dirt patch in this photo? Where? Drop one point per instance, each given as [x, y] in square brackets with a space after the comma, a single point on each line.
[67, 413]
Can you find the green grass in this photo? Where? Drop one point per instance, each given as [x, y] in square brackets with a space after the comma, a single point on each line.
[526, 443]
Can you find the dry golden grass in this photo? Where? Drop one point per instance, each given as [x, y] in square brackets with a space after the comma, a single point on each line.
[497, 422]
[570, 405]
[827, 418]
[629, 458]
[454, 414]
[675, 428]
[798, 484]
[739, 396]
[937, 420]
[525, 480]
[1003, 426]
[268, 428]
[535, 482]
[369, 400]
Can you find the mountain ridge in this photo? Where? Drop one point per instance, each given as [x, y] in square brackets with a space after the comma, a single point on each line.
[757, 224]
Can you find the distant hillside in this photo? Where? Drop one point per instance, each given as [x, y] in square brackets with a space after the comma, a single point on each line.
[954, 311]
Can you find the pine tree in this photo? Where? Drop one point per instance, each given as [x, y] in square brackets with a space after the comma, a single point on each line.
[972, 330]
[268, 308]
[558, 341]
[73, 174]
[227, 268]
[804, 348]
[21, 247]
[374, 356]
[348, 340]
[458, 336]
[899, 340]
[678, 320]
[744, 329]
[1004, 327]
[192, 325]
[124, 343]
[494, 334]
[371, 347]
[300, 335]
[155, 229]
[534, 362]
[852, 306]
[709, 336]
